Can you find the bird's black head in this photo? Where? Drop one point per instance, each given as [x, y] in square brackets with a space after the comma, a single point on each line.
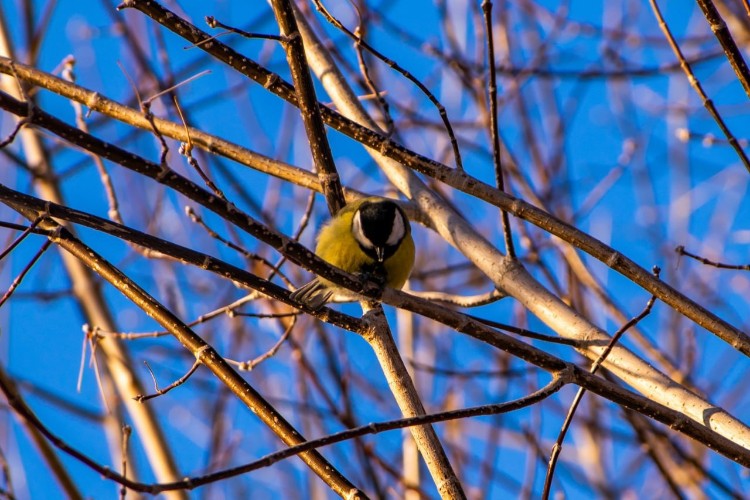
[379, 227]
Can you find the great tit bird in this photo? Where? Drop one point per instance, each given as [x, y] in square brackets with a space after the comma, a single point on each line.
[371, 236]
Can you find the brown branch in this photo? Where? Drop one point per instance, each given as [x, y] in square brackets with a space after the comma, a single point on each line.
[250, 365]
[214, 23]
[308, 105]
[378, 336]
[494, 129]
[732, 52]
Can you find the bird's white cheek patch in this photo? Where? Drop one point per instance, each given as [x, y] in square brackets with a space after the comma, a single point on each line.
[397, 231]
[358, 234]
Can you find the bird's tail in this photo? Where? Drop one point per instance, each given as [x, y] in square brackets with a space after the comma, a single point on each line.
[313, 294]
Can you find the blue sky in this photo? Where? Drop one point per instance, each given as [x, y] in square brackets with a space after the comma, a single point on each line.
[663, 192]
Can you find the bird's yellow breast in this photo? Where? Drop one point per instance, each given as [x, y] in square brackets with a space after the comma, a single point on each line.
[337, 246]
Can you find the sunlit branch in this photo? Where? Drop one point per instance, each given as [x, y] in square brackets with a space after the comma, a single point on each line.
[732, 52]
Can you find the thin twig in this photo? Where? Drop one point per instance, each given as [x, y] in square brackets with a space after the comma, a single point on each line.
[557, 448]
[186, 149]
[12, 136]
[145, 108]
[174, 87]
[695, 83]
[494, 127]
[720, 265]
[394, 65]
[190, 212]
[466, 301]
[23, 272]
[158, 392]
[215, 23]
[303, 223]
[249, 365]
[27, 231]
[528, 333]
[229, 310]
[377, 95]
[106, 180]
[92, 341]
[125, 441]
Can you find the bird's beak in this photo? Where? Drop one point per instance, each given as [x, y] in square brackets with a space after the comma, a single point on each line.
[380, 251]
